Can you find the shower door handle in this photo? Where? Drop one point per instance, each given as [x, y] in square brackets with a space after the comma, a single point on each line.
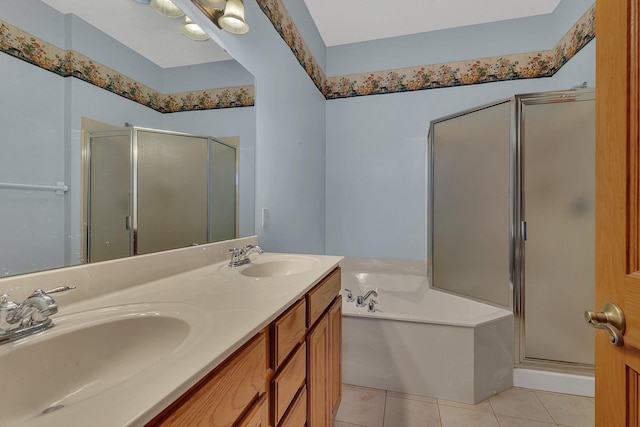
[610, 318]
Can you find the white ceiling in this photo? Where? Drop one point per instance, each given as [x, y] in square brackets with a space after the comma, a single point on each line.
[145, 31]
[339, 21]
[351, 21]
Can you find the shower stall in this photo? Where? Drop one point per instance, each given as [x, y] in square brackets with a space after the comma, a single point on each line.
[511, 218]
[149, 190]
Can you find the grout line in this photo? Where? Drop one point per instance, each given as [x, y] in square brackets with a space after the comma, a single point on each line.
[384, 407]
[545, 408]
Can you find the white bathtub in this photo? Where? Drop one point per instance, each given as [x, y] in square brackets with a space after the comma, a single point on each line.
[422, 341]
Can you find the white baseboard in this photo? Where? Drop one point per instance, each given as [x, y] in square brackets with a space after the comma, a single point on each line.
[581, 385]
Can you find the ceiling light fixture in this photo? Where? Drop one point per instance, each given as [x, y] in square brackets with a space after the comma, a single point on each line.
[167, 8]
[233, 18]
[225, 14]
[193, 31]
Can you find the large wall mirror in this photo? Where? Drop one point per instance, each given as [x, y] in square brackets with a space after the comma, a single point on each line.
[66, 66]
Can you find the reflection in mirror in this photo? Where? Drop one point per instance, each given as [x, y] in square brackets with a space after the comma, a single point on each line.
[133, 209]
[64, 62]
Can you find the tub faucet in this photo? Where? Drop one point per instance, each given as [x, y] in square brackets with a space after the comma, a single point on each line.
[371, 307]
[361, 299]
[29, 317]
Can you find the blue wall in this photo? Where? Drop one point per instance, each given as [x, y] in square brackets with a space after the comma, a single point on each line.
[342, 176]
[40, 142]
[373, 161]
[290, 133]
[376, 145]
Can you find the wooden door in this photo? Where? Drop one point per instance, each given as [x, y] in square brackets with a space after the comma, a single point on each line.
[618, 208]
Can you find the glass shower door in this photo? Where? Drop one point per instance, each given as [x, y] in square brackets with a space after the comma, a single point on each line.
[223, 200]
[109, 197]
[470, 200]
[172, 176]
[558, 201]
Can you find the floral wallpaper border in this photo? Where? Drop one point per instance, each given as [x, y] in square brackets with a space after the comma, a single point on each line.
[69, 63]
[459, 73]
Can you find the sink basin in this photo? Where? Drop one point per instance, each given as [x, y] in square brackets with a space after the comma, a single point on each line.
[86, 354]
[278, 265]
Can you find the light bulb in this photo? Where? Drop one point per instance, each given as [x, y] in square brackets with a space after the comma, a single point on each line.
[193, 31]
[166, 8]
[233, 18]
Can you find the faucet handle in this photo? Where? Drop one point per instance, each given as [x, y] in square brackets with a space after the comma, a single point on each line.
[5, 304]
[372, 304]
[349, 295]
[60, 289]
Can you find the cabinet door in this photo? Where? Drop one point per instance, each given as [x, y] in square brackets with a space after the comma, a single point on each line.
[318, 364]
[335, 349]
[258, 416]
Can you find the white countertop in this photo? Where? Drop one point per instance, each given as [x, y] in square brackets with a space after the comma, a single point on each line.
[224, 310]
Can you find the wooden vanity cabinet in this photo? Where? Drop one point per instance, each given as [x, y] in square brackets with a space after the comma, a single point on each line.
[324, 351]
[225, 394]
[258, 415]
[288, 375]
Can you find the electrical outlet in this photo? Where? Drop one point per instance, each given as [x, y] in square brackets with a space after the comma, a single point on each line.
[265, 217]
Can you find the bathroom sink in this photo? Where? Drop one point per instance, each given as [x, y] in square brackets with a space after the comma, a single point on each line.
[88, 353]
[275, 265]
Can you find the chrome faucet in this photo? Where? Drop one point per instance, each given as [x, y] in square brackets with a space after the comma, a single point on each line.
[241, 256]
[361, 299]
[19, 320]
[349, 295]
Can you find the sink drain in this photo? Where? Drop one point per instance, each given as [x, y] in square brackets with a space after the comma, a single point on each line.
[52, 409]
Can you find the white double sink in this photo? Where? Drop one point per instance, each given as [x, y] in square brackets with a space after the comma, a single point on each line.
[112, 349]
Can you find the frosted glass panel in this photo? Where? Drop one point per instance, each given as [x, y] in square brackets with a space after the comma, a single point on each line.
[558, 144]
[223, 192]
[172, 191]
[110, 171]
[471, 200]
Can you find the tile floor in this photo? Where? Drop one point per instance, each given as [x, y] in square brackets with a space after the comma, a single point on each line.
[517, 407]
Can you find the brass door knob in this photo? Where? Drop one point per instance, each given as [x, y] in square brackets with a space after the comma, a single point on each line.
[610, 318]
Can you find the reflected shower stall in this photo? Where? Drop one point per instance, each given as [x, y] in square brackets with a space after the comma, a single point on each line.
[149, 190]
[511, 218]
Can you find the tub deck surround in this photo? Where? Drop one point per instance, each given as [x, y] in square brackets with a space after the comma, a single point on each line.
[223, 307]
[422, 341]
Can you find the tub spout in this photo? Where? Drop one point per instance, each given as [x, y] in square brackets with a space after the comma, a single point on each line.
[362, 299]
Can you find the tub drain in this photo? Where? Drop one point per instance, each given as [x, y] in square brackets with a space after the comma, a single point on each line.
[52, 408]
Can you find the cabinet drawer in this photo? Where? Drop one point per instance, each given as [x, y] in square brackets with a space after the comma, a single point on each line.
[319, 298]
[297, 415]
[287, 332]
[288, 381]
[223, 395]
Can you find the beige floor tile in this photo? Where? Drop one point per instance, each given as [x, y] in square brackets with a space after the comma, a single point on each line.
[411, 397]
[521, 422]
[574, 411]
[451, 416]
[362, 406]
[483, 406]
[520, 403]
[410, 413]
